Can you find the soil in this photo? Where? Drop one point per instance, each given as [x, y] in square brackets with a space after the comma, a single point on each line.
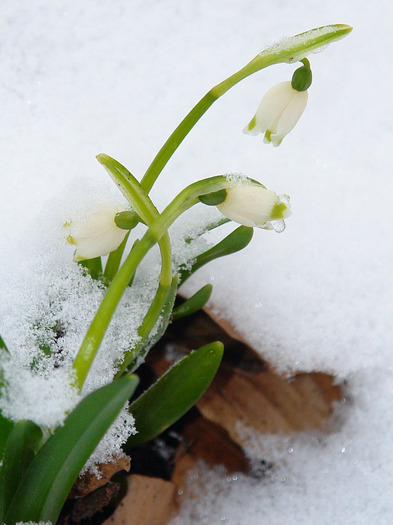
[246, 389]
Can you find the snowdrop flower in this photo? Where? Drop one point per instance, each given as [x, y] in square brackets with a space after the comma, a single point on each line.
[281, 107]
[256, 206]
[97, 234]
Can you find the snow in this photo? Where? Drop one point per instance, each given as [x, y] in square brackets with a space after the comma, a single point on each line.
[117, 77]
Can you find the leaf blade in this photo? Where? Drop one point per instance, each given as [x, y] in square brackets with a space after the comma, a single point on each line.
[194, 303]
[232, 243]
[50, 476]
[174, 393]
[22, 444]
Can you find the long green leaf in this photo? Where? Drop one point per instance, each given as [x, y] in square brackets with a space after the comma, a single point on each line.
[22, 445]
[234, 242]
[174, 393]
[50, 476]
[114, 260]
[3, 346]
[93, 267]
[5, 424]
[132, 357]
[194, 303]
[5, 429]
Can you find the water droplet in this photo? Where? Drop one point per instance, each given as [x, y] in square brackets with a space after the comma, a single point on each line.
[258, 305]
[283, 198]
[180, 492]
[278, 226]
[343, 450]
[290, 450]
[223, 518]
[212, 278]
[234, 478]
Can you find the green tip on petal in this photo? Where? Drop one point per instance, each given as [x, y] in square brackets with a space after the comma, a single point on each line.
[252, 123]
[278, 211]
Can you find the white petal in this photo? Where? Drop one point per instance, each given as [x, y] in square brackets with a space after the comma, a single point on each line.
[249, 204]
[291, 114]
[272, 105]
[90, 247]
[97, 234]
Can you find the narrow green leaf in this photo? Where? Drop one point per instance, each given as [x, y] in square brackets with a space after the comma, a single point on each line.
[22, 444]
[5, 424]
[234, 242]
[165, 317]
[93, 267]
[50, 476]
[5, 429]
[132, 356]
[194, 303]
[114, 260]
[174, 393]
[3, 346]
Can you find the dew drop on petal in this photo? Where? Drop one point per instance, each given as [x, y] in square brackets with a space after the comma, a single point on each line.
[278, 226]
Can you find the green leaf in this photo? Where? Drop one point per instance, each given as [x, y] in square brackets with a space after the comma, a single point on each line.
[93, 267]
[165, 317]
[132, 357]
[234, 242]
[114, 260]
[22, 444]
[174, 393]
[5, 428]
[194, 303]
[3, 346]
[5, 424]
[50, 476]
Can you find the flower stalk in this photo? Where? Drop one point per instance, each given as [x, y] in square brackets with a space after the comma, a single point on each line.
[289, 50]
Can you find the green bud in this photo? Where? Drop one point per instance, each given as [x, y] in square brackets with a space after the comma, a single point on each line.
[126, 220]
[212, 199]
[302, 77]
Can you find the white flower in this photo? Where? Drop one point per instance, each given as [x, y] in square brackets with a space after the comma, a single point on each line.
[97, 234]
[255, 206]
[278, 112]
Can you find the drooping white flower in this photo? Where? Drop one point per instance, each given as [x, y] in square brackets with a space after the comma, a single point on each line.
[278, 112]
[256, 206]
[97, 234]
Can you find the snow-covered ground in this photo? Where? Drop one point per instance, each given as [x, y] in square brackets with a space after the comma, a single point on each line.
[117, 76]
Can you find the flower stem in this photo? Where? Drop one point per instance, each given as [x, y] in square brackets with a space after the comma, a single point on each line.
[289, 50]
[148, 213]
[157, 231]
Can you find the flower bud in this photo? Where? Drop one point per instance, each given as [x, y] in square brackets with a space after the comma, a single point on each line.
[97, 234]
[256, 206]
[278, 113]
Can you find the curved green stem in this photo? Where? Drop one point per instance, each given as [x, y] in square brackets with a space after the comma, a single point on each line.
[95, 334]
[289, 50]
[148, 213]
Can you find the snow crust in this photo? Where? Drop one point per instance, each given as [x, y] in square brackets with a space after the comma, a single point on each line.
[117, 78]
